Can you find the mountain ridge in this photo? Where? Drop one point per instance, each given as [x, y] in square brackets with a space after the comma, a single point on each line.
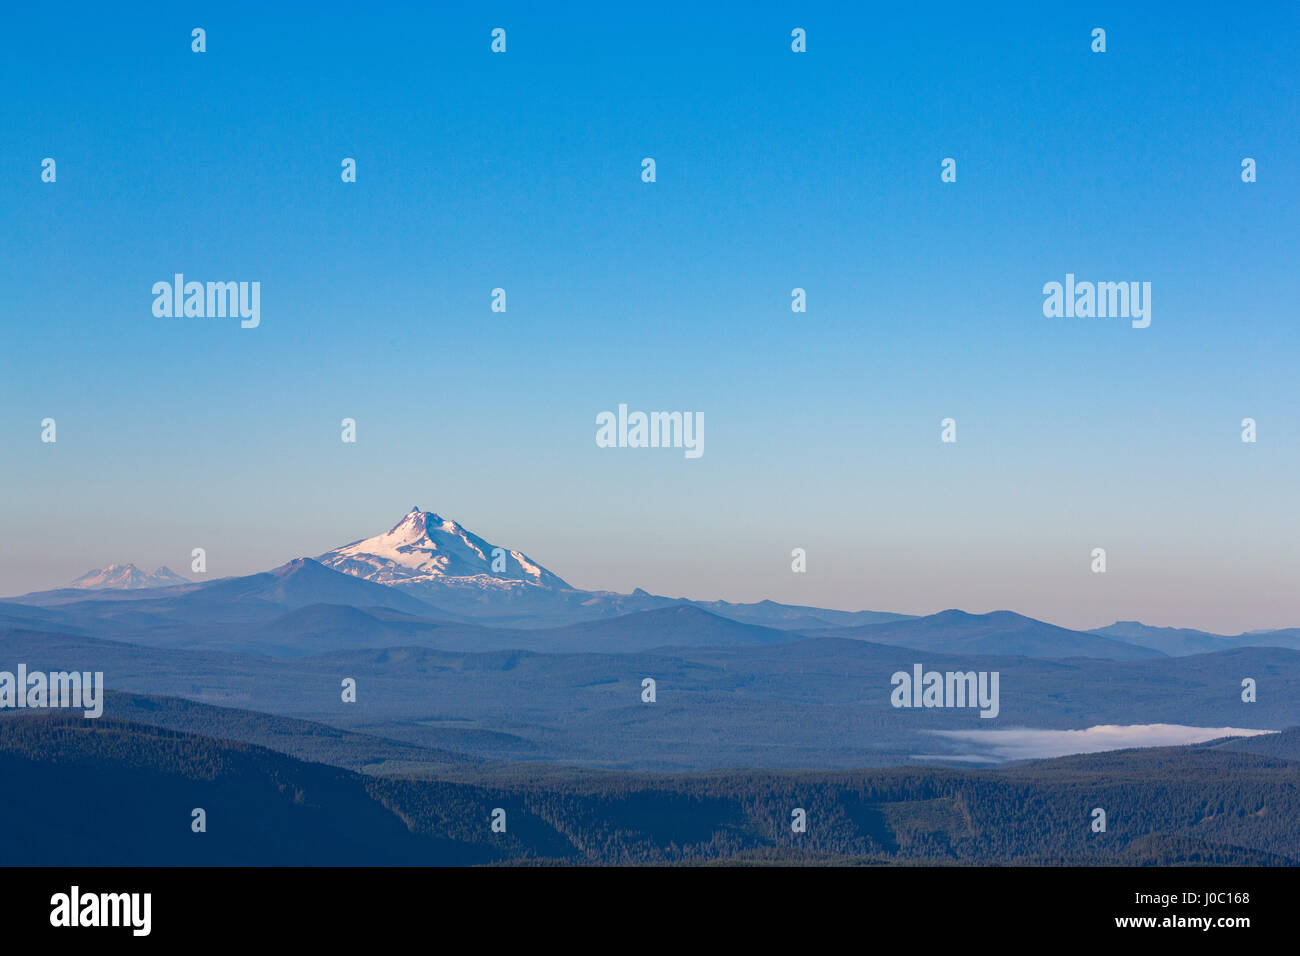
[127, 577]
[433, 568]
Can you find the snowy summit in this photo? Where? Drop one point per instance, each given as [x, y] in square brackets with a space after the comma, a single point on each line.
[126, 577]
[425, 548]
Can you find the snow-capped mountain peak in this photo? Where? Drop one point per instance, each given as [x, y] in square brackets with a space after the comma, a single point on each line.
[125, 577]
[425, 548]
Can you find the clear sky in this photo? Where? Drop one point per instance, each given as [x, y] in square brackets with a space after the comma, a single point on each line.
[774, 170]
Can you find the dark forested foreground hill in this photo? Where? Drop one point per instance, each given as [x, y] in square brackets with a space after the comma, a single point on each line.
[81, 792]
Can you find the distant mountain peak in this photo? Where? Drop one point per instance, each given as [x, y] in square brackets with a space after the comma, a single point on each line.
[416, 524]
[952, 614]
[427, 549]
[293, 567]
[125, 577]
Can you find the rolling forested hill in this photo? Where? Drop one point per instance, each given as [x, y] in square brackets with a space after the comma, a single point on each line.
[112, 792]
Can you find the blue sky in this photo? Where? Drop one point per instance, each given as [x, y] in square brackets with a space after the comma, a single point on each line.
[775, 170]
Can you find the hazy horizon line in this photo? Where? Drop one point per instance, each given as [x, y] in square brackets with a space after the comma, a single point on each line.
[696, 600]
